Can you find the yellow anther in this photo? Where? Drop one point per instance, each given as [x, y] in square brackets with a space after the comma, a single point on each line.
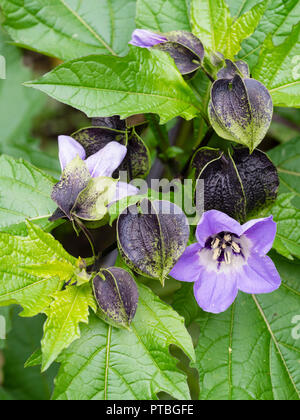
[227, 238]
[215, 243]
[236, 247]
[227, 257]
[217, 253]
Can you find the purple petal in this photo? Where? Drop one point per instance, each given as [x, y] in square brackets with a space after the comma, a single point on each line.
[259, 276]
[188, 267]
[124, 190]
[262, 233]
[213, 222]
[68, 150]
[107, 160]
[146, 39]
[215, 292]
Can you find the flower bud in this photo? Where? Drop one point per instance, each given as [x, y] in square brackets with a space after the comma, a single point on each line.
[241, 108]
[185, 48]
[117, 296]
[239, 184]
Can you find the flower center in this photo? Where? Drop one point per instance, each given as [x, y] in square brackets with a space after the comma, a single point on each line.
[224, 246]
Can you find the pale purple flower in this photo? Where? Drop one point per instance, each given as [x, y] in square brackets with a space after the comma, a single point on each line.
[227, 258]
[102, 163]
[146, 39]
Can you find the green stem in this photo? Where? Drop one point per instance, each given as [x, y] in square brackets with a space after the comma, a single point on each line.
[87, 235]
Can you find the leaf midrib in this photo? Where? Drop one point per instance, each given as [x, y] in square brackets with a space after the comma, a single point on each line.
[175, 99]
[88, 27]
[276, 343]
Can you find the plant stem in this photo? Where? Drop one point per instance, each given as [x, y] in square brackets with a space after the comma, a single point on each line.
[87, 235]
[202, 143]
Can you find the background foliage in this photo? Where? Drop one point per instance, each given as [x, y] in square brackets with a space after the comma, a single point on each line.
[77, 53]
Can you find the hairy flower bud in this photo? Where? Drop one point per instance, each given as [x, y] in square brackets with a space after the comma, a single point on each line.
[117, 296]
[241, 108]
[237, 184]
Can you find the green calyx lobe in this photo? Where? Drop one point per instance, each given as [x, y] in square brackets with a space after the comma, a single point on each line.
[78, 195]
[237, 184]
[117, 296]
[152, 236]
[186, 49]
[240, 108]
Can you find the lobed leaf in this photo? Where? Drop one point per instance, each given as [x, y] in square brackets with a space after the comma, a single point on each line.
[17, 254]
[279, 69]
[69, 308]
[277, 22]
[108, 363]
[213, 24]
[25, 193]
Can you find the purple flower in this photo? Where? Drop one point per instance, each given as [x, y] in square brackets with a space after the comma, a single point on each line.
[146, 39]
[227, 258]
[102, 163]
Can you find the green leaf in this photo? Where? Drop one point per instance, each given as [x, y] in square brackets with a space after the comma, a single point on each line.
[4, 395]
[219, 32]
[163, 16]
[250, 352]
[25, 193]
[16, 284]
[18, 106]
[241, 29]
[278, 69]
[21, 383]
[69, 308]
[210, 21]
[69, 29]
[238, 7]
[108, 363]
[142, 82]
[287, 217]
[277, 22]
[286, 158]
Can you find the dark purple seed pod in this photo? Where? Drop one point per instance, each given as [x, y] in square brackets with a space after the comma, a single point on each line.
[117, 296]
[106, 130]
[240, 108]
[238, 184]
[152, 236]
